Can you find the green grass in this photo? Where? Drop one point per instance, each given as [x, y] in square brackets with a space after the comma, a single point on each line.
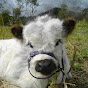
[5, 33]
[79, 39]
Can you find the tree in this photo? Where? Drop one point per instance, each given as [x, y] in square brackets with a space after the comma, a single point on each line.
[73, 5]
[64, 13]
[16, 13]
[3, 4]
[29, 4]
[1, 7]
[85, 12]
[5, 17]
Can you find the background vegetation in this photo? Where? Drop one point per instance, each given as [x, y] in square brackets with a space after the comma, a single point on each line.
[69, 8]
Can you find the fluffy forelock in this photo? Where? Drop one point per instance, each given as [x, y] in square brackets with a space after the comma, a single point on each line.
[43, 23]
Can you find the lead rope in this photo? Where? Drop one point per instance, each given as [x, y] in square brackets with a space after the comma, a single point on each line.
[62, 68]
[65, 84]
[71, 65]
[73, 59]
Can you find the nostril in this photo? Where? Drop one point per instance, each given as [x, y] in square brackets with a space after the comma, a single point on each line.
[48, 63]
[38, 67]
[40, 64]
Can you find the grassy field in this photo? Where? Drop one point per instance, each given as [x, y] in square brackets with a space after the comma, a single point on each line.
[79, 39]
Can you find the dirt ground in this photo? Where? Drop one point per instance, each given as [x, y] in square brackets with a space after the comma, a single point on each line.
[80, 77]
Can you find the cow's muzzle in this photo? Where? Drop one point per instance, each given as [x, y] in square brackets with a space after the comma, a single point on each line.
[46, 66]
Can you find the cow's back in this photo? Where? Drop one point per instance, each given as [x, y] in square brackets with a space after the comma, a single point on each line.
[6, 50]
[5, 45]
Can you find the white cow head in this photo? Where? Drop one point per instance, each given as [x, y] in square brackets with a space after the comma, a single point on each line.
[43, 39]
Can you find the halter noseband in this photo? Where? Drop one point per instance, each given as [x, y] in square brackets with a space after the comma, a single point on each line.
[32, 54]
[37, 52]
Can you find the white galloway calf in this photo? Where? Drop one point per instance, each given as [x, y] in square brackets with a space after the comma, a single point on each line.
[31, 58]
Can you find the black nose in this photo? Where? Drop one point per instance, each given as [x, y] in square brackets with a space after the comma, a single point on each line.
[46, 66]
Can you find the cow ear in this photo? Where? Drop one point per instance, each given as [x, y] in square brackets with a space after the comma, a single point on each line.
[17, 30]
[68, 26]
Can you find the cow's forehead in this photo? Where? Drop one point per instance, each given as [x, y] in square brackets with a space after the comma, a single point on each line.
[44, 26]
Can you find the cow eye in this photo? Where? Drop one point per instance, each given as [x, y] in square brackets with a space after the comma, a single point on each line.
[29, 44]
[57, 43]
